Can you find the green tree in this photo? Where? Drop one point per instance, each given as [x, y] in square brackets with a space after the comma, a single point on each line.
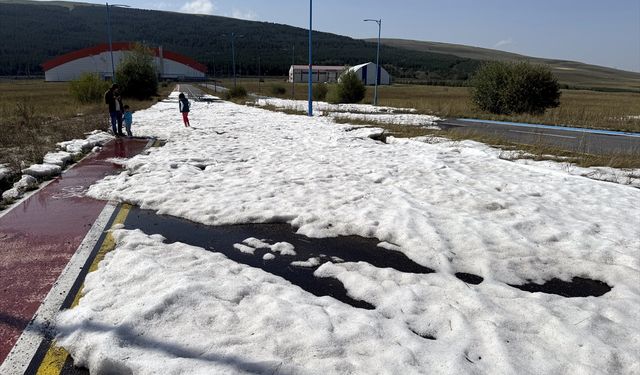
[320, 91]
[88, 88]
[235, 93]
[349, 89]
[513, 88]
[137, 74]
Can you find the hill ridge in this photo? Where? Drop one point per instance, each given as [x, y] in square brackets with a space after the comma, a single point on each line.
[600, 75]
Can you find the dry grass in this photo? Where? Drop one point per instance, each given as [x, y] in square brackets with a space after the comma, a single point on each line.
[35, 115]
[599, 110]
[579, 108]
[264, 88]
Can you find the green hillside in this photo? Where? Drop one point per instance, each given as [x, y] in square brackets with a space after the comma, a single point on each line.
[571, 73]
[33, 32]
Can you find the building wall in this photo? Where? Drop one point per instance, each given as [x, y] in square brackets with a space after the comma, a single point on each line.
[101, 65]
[367, 73]
[319, 75]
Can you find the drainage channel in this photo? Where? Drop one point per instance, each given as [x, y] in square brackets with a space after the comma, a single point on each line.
[307, 253]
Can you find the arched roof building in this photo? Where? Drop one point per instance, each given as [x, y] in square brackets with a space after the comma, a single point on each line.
[70, 66]
[367, 73]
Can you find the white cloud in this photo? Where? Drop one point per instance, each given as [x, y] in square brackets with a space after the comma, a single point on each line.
[199, 7]
[244, 15]
[503, 43]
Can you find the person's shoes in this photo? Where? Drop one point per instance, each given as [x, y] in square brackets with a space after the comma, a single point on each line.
[120, 134]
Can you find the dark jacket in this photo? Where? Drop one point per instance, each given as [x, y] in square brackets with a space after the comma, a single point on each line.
[110, 99]
[184, 105]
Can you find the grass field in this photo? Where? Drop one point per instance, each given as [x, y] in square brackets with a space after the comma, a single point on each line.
[35, 115]
[581, 108]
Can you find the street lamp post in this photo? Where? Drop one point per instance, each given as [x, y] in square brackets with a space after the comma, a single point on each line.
[233, 59]
[310, 59]
[293, 70]
[378, 72]
[113, 69]
[213, 62]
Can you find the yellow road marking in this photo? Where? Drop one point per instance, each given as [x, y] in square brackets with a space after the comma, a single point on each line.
[54, 360]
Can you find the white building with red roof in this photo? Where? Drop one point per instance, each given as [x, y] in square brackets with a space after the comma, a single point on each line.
[70, 66]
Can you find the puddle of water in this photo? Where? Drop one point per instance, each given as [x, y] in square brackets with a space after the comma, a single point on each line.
[577, 287]
[223, 238]
[469, 278]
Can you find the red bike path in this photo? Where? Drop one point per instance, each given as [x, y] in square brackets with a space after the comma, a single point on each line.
[39, 236]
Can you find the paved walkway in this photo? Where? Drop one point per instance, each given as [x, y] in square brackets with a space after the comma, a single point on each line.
[40, 235]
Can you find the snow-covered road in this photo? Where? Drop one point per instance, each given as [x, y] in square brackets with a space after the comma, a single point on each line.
[453, 207]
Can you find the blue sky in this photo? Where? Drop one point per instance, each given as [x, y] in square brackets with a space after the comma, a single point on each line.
[602, 32]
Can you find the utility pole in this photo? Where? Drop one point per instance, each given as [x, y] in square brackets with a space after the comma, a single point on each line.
[233, 59]
[310, 59]
[113, 69]
[378, 71]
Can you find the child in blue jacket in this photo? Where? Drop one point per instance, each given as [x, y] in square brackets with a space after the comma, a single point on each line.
[128, 120]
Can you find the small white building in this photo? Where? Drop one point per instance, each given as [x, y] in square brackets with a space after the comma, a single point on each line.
[367, 73]
[70, 66]
[320, 73]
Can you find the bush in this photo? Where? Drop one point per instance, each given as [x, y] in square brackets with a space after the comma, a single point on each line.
[514, 88]
[89, 88]
[278, 90]
[349, 89]
[320, 92]
[137, 75]
[237, 92]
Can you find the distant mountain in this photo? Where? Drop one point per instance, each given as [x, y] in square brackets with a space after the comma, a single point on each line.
[33, 32]
[571, 73]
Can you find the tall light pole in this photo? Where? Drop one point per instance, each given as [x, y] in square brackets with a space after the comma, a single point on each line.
[233, 59]
[113, 69]
[310, 59]
[378, 72]
[293, 69]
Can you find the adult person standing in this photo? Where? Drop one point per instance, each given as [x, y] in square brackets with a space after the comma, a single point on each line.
[113, 99]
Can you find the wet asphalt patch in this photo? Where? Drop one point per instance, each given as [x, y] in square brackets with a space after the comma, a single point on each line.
[312, 252]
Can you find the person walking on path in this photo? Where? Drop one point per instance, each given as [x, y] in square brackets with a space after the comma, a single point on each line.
[184, 109]
[128, 120]
[113, 99]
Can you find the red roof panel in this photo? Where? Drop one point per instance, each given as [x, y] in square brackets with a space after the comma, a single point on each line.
[120, 46]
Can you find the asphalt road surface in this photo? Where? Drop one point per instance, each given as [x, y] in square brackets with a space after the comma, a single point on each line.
[572, 139]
